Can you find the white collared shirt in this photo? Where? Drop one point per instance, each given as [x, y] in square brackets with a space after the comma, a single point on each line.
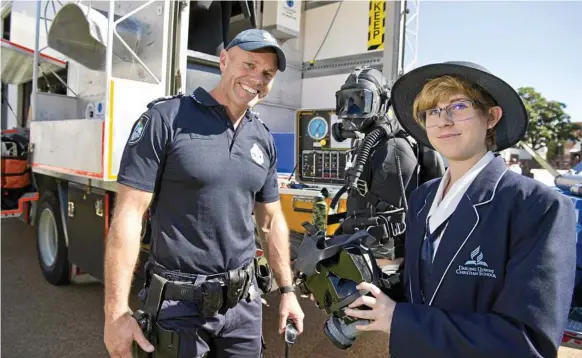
[441, 209]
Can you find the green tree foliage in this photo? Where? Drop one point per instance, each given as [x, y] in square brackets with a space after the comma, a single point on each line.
[554, 150]
[548, 122]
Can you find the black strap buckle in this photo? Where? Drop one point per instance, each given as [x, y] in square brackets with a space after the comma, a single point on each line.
[397, 228]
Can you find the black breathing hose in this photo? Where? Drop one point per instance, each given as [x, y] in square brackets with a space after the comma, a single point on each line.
[399, 168]
[363, 153]
[337, 196]
[401, 182]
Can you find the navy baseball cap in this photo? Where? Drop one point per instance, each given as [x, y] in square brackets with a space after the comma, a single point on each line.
[255, 39]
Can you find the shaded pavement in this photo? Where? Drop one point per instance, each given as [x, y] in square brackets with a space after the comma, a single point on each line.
[41, 320]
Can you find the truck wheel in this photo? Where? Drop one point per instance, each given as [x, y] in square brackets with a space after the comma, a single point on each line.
[51, 247]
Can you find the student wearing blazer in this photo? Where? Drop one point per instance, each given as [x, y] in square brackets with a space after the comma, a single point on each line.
[489, 254]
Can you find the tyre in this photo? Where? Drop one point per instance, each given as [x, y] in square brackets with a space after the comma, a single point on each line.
[51, 247]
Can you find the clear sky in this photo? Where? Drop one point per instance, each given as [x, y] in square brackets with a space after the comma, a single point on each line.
[527, 43]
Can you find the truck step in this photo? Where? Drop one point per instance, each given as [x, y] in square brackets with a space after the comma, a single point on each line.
[23, 204]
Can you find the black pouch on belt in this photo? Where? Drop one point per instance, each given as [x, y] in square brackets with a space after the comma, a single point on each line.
[237, 279]
[263, 274]
[211, 298]
[146, 318]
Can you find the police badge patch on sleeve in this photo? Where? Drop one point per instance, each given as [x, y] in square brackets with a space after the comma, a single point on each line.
[139, 129]
[257, 154]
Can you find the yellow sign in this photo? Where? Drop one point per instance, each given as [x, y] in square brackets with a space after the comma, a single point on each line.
[376, 27]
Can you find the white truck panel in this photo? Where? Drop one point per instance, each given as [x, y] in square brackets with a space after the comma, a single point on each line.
[286, 90]
[128, 100]
[72, 146]
[362, 33]
[88, 147]
[319, 92]
[84, 134]
[347, 36]
[278, 119]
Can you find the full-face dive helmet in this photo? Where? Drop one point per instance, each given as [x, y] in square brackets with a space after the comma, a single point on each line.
[330, 269]
[362, 99]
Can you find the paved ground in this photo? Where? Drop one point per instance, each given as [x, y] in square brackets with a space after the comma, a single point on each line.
[40, 320]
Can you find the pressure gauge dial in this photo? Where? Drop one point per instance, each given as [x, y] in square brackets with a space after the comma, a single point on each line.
[317, 128]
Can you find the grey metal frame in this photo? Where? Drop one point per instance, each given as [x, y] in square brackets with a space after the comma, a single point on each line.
[344, 64]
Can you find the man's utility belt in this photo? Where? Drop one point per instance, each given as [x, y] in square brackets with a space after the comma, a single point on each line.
[212, 294]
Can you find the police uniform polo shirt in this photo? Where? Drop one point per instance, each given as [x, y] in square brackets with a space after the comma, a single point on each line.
[207, 176]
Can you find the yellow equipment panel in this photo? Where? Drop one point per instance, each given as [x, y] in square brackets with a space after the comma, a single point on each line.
[297, 206]
[320, 163]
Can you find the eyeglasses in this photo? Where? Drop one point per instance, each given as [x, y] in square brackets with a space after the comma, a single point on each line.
[457, 111]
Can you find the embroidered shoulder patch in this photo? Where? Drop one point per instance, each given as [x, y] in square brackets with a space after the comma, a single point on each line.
[257, 154]
[139, 129]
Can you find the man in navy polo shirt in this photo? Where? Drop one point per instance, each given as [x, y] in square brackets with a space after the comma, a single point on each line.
[210, 162]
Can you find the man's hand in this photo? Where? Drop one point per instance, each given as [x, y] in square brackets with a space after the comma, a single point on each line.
[121, 253]
[382, 309]
[119, 336]
[289, 308]
[274, 235]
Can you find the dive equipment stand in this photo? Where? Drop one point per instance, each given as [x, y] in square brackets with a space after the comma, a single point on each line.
[386, 221]
[290, 336]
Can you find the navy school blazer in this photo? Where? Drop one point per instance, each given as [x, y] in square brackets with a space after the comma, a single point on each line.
[502, 277]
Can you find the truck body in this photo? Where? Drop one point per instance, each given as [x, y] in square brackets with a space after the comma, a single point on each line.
[81, 73]
[114, 57]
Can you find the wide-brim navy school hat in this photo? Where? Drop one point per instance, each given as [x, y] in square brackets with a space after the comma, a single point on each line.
[510, 129]
[256, 39]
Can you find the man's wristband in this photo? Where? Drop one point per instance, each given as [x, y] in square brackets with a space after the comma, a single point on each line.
[286, 289]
